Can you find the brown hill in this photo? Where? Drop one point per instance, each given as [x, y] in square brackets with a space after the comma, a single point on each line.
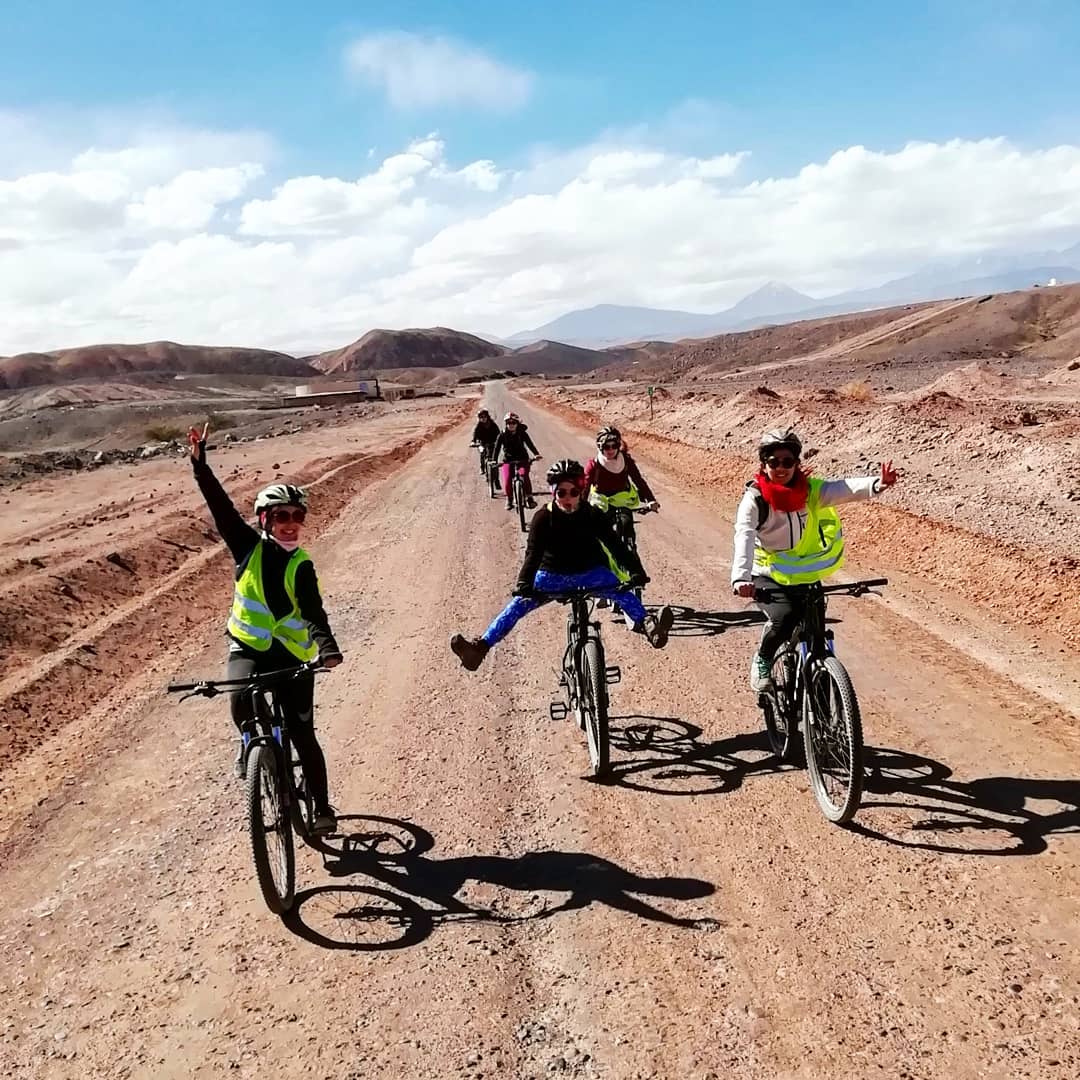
[380, 350]
[91, 362]
[1032, 330]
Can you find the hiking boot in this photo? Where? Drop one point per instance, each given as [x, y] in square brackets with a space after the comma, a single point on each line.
[509, 504]
[603, 602]
[325, 822]
[238, 764]
[470, 653]
[656, 628]
[760, 674]
[530, 503]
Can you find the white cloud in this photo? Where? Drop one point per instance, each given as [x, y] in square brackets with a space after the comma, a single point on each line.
[417, 72]
[190, 201]
[132, 243]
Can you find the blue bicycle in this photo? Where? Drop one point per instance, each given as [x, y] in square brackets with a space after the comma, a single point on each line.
[277, 796]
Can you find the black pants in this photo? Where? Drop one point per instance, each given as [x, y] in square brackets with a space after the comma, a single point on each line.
[783, 615]
[297, 697]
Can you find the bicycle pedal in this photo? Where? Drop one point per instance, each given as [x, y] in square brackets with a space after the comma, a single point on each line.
[613, 674]
[558, 710]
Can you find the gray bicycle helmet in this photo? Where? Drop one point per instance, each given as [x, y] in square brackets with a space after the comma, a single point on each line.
[777, 438]
[280, 495]
[567, 469]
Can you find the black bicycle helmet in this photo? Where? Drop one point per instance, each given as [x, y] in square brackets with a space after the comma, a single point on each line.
[777, 439]
[566, 469]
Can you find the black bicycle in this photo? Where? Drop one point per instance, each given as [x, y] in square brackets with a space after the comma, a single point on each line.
[810, 684]
[277, 794]
[518, 471]
[489, 469]
[625, 530]
[585, 677]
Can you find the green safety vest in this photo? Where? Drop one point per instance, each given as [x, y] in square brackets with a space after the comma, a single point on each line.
[253, 624]
[819, 553]
[621, 500]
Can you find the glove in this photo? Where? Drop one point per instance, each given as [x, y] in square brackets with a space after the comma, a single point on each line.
[526, 592]
[638, 581]
[745, 589]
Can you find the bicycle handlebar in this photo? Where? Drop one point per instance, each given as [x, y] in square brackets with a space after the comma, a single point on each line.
[213, 687]
[852, 588]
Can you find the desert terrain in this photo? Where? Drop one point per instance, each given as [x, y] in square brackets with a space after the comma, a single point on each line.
[491, 911]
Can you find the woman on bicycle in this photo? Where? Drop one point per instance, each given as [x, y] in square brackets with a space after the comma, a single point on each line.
[513, 448]
[570, 546]
[277, 619]
[787, 534]
[613, 479]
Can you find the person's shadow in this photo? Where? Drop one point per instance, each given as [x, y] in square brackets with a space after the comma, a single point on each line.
[912, 801]
[416, 892]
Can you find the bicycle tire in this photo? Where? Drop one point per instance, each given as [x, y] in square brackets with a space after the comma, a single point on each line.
[779, 710]
[493, 473]
[519, 498]
[834, 746]
[301, 806]
[596, 724]
[263, 769]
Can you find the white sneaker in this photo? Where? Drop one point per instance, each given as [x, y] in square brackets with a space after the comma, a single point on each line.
[760, 674]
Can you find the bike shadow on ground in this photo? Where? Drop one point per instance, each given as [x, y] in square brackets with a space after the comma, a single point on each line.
[912, 801]
[690, 622]
[414, 893]
[664, 755]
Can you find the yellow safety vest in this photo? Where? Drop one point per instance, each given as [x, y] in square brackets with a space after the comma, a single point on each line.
[253, 624]
[819, 552]
[621, 500]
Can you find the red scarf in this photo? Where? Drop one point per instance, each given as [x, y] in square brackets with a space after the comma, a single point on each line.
[785, 498]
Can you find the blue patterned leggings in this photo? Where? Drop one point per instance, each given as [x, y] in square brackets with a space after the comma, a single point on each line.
[602, 580]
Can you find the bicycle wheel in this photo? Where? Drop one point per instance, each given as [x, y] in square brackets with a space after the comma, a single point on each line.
[271, 836]
[493, 479]
[778, 708]
[596, 719]
[832, 736]
[519, 498]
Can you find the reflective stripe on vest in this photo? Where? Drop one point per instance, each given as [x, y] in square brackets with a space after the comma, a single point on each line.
[253, 624]
[819, 552]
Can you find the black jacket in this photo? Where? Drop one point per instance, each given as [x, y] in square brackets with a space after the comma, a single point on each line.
[514, 446]
[242, 539]
[570, 544]
[485, 434]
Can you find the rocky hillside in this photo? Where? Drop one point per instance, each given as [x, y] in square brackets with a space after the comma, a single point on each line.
[380, 350]
[92, 362]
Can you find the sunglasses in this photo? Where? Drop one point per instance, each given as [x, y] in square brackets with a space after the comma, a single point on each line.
[782, 462]
[511, 423]
[284, 517]
[567, 492]
[610, 446]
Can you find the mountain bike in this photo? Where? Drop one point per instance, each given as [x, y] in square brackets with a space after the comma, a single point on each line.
[810, 685]
[489, 469]
[623, 524]
[519, 470]
[585, 677]
[276, 793]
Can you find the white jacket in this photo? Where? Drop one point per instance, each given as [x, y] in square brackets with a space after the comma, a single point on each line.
[781, 531]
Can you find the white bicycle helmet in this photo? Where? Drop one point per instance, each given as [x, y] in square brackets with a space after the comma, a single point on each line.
[280, 495]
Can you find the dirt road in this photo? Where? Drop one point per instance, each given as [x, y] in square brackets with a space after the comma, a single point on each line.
[504, 917]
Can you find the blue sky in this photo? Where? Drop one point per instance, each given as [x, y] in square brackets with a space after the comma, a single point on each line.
[790, 80]
[255, 173]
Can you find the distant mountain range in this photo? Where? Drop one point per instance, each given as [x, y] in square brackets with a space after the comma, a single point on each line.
[775, 302]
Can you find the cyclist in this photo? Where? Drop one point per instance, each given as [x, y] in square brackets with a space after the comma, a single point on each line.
[788, 534]
[513, 446]
[485, 434]
[570, 546]
[613, 479]
[277, 619]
